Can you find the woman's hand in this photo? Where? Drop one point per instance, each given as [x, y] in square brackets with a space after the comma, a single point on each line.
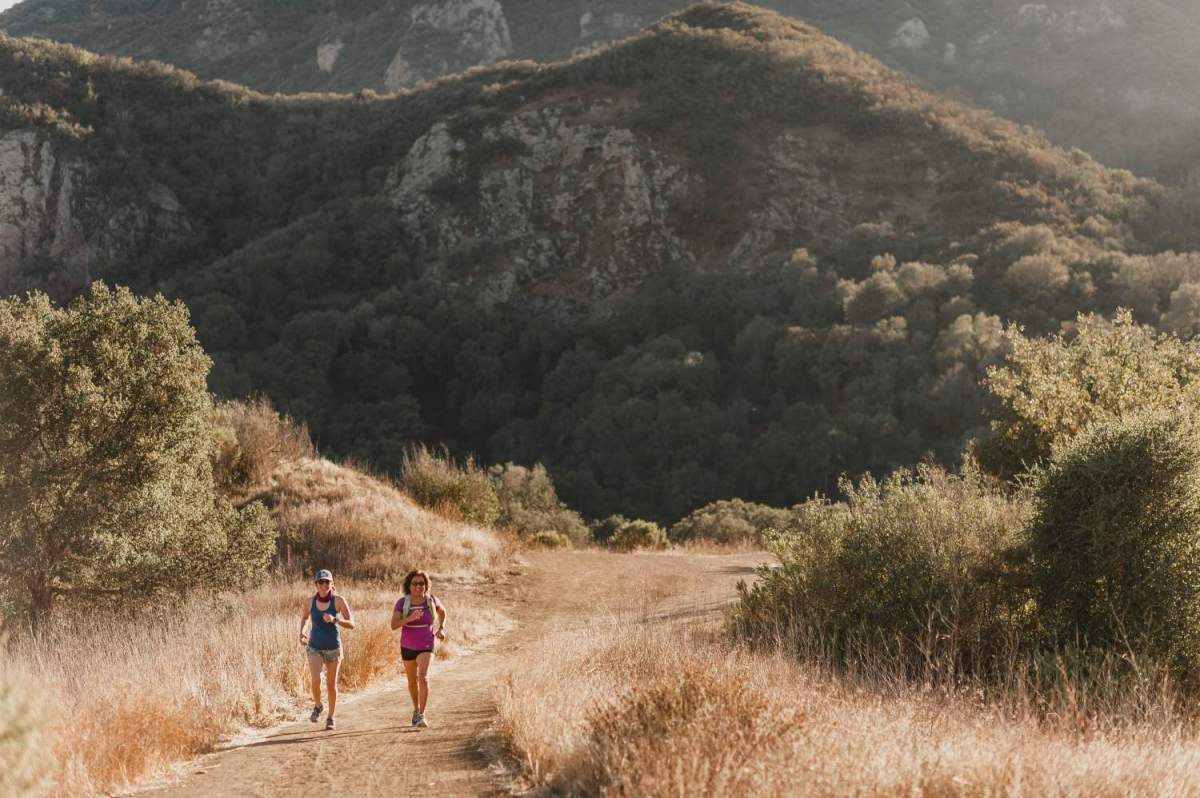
[303, 639]
[441, 635]
[414, 616]
[327, 618]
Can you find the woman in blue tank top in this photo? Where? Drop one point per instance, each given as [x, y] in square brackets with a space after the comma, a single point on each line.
[326, 612]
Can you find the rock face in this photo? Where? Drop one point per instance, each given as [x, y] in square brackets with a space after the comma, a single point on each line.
[49, 215]
[563, 192]
[445, 37]
[568, 203]
[36, 196]
[912, 35]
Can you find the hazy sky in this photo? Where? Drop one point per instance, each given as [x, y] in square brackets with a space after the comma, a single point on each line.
[8, 4]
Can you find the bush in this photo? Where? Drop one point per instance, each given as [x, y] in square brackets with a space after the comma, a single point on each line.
[604, 528]
[253, 439]
[529, 505]
[1114, 539]
[693, 734]
[730, 522]
[549, 540]
[920, 563]
[638, 534]
[434, 480]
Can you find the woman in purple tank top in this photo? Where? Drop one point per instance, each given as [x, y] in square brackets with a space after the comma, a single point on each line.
[415, 615]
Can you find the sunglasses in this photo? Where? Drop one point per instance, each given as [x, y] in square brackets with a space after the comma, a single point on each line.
[418, 584]
[322, 581]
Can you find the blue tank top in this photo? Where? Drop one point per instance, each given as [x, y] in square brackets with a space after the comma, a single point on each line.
[325, 636]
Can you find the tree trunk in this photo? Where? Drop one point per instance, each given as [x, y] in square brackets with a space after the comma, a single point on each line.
[41, 604]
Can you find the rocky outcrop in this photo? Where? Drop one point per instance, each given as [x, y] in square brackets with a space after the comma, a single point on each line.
[50, 216]
[912, 35]
[446, 37]
[557, 197]
[566, 202]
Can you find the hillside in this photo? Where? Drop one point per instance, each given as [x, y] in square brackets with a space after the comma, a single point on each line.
[729, 256]
[1114, 77]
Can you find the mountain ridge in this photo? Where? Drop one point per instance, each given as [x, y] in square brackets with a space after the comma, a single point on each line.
[728, 256]
[1087, 71]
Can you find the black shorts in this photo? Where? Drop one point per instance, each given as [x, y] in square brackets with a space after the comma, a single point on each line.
[410, 654]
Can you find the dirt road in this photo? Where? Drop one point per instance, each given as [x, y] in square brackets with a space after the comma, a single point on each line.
[375, 752]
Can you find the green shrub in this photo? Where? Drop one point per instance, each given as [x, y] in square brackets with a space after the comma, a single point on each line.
[920, 563]
[549, 539]
[603, 529]
[638, 534]
[529, 504]
[1114, 539]
[730, 521]
[435, 480]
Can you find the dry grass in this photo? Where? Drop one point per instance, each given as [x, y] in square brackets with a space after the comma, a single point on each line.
[339, 518]
[621, 708]
[129, 699]
[26, 764]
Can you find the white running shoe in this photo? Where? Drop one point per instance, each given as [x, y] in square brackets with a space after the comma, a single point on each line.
[421, 722]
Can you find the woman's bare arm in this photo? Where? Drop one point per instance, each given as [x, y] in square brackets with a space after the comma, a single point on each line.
[347, 619]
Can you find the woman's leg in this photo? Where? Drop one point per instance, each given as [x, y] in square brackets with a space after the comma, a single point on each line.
[331, 683]
[410, 671]
[423, 661]
[314, 669]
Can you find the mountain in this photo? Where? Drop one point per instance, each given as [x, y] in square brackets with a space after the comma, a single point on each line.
[727, 256]
[1116, 78]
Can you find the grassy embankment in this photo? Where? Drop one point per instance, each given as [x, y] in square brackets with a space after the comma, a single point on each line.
[123, 691]
[681, 711]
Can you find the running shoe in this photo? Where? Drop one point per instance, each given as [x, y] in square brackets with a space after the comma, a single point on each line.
[329, 722]
[416, 716]
[316, 713]
[421, 722]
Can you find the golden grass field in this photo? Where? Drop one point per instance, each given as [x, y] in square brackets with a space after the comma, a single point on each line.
[635, 706]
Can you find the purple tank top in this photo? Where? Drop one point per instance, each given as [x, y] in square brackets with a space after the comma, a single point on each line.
[420, 635]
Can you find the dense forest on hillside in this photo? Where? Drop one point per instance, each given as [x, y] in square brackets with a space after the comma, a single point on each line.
[850, 345]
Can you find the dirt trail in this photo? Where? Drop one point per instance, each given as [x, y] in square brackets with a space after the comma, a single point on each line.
[375, 752]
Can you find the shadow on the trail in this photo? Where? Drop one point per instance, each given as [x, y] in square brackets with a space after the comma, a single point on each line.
[316, 736]
[738, 569]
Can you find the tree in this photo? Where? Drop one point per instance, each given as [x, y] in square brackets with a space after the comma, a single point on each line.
[1051, 390]
[1115, 551]
[106, 484]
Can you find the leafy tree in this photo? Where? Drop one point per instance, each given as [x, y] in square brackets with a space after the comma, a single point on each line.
[730, 521]
[106, 484]
[1115, 550]
[1050, 390]
[530, 505]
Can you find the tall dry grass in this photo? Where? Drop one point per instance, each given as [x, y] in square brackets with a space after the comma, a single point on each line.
[626, 708]
[26, 763]
[128, 693]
